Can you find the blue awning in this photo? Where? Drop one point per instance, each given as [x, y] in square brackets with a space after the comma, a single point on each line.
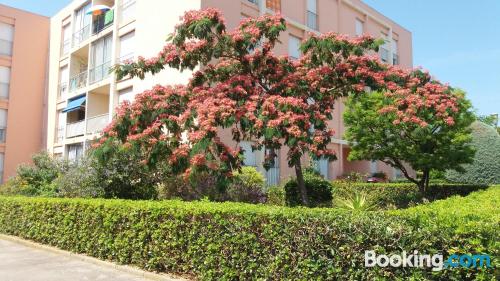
[75, 104]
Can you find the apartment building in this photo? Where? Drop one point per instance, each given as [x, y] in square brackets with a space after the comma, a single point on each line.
[24, 47]
[83, 94]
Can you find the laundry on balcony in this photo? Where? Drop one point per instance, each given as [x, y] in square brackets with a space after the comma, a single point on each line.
[75, 104]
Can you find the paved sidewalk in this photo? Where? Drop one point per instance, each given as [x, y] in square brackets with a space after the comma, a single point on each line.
[21, 262]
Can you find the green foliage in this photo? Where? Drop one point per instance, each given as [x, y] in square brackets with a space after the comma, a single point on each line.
[81, 180]
[37, 179]
[247, 186]
[276, 196]
[358, 202]
[435, 145]
[319, 191]
[234, 241]
[400, 195]
[486, 166]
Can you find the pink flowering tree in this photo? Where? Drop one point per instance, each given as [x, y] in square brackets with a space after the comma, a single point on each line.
[418, 123]
[240, 84]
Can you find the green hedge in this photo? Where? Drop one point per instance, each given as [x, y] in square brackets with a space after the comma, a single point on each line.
[402, 195]
[231, 241]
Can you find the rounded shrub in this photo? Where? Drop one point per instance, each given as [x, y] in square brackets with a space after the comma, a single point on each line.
[486, 166]
[247, 186]
[319, 191]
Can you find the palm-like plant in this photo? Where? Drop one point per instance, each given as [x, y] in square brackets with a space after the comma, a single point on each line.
[357, 202]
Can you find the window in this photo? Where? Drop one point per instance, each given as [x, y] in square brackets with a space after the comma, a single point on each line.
[126, 94]
[75, 152]
[294, 47]
[384, 49]
[2, 160]
[101, 59]
[395, 57]
[250, 157]
[65, 40]
[81, 30]
[127, 47]
[128, 10]
[274, 5]
[321, 166]
[61, 123]
[359, 27]
[63, 81]
[273, 174]
[3, 125]
[6, 39]
[312, 14]
[373, 167]
[4, 82]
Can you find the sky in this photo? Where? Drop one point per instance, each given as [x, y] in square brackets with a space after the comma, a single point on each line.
[458, 41]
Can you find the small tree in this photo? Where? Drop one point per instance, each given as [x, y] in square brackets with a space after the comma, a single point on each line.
[420, 122]
[241, 85]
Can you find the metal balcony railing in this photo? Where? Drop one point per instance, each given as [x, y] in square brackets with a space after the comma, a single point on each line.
[100, 72]
[5, 48]
[75, 129]
[3, 134]
[78, 81]
[65, 45]
[4, 90]
[81, 35]
[312, 20]
[59, 137]
[62, 90]
[126, 58]
[97, 123]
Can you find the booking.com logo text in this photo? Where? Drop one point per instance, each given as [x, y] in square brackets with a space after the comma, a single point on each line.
[436, 261]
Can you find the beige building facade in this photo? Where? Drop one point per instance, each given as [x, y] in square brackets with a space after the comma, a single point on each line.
[24, 47]
[83, 94]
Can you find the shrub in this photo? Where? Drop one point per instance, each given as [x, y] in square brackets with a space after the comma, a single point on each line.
[81, 180]
[37, 179]
[486, 166]
[247, 186]
[276, 196]
[401, 195]
[319, 191]
[358, 202]
[234, 241]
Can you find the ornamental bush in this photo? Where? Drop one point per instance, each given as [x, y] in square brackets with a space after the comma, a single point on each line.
[234, 241]
[247, 186]
[319, 191]
[486, 166]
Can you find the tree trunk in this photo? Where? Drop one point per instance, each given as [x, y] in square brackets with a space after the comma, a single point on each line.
[301, 184]
[423, 184]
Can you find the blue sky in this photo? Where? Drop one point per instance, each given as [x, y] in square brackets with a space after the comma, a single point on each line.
[458, 41]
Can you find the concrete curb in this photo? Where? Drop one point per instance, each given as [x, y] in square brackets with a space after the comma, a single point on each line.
[124, 268]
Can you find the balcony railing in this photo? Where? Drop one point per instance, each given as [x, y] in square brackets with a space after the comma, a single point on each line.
[78, 81]
[5, 48]
[3, 133]
[100, 72]
[127, 10]
[102, 22]
[97, 123]
[81, 35]
[312, 20]
[63, 90]
[4, 90]
[65, 47]
[59, 137]
[75, 129]
[126, 58]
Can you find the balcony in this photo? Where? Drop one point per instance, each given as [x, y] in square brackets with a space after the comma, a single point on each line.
[3, 133]
[101, 22]
[78, 81]
[81, 35]
[75, 129]
[97, 123]
[4, 90]
[65, 45]
[312, 20]
[5, 48]
[100, 72]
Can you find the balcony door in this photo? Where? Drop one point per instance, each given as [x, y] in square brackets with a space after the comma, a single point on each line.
[81, 26]
[101, 59]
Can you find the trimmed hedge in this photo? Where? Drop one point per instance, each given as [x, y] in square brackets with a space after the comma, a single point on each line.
[231, 241]
[402, 195]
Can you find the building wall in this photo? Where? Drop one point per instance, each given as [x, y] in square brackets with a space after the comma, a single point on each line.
[26, 126]
[151, 26]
